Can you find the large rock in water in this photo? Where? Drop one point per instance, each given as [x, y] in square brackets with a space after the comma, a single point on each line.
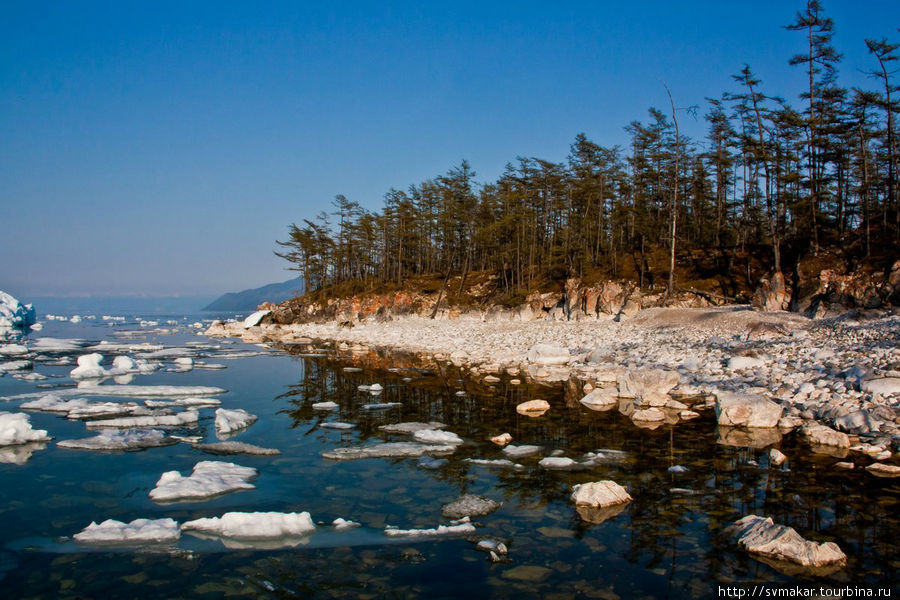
[469, 505]
[600, 494]
[746, 410]
[648, 388]
[760, 535]
[547, 354]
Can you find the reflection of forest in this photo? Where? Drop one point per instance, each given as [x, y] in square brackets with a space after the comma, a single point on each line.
[676, 521]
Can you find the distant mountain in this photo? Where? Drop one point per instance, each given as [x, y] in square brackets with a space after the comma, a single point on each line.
[250, 299]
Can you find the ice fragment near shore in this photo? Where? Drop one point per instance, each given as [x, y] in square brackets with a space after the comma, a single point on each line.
[88, 367]
[520, 451]
[208, 478]
[15, 428]
[389, 450]
[235, 448]
[231, 421]
[324, 405]
[139, 530]
[254, 525]
[465, 528]
[436, 436]
[343, 524]
[410, 427]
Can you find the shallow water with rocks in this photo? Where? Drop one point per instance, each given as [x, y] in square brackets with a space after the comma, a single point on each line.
[670, 541]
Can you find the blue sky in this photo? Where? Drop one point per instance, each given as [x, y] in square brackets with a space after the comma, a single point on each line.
[161, 148]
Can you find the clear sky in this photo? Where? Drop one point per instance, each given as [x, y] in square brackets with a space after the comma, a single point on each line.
[160, 148]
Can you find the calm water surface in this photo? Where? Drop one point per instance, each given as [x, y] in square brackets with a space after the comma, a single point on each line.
[668, 543]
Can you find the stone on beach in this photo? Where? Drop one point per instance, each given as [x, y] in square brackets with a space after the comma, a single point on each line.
[208, 479]
[599, 494]
[648, 387]
[137, 531]
[253, 525]
[735, 409]
[548, 354]
[533, 408]
[817, 434]
[741, 363]
[760, 535]
[882, 386]
[601, 399]
[469, 505]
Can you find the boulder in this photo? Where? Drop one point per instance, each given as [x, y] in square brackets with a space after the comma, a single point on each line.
[649, 387]
[648, 415]
[547, 354]
[601, 399]
[502, 439]
[746, 410]
[817, 435]
[533, 408]
[469, 505]
[882, 386]
[760, 535]
[600, 494]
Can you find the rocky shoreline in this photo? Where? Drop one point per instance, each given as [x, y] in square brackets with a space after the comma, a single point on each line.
[834, 381]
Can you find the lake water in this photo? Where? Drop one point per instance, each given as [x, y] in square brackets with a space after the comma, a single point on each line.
[669, 542]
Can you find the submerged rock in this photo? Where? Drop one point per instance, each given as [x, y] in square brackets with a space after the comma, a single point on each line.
[818, 435]
[521, 451]
[436, 436]
[760, 535]
[533, 408]
[776, 457]
[469, 505]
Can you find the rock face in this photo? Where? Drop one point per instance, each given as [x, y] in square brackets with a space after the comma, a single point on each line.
[547, 354]
[469, 505]
[746, 410]
[760, 535]
[599, 494]
[648, 388]
[772, 294]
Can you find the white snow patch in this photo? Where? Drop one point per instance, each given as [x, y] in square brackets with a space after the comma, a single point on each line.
[139, 530]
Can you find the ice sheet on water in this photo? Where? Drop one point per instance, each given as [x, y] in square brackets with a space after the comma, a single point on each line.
[460, 528]
[208, 478]
[139, 391]
[20, 453]
[380, 405]
[230, 421]
[324, 405]
[114, 440]
[336, 425]
[15, 428]
[389, 450]
[498, 462]
[235, 448]
[436, 436]
[137, 531]
[340, 524]
[187, 418]
[13, 349]
[523, 450]
[189, 402]
[253, 525]
[51, 345]
[81, 408]
[410, 428]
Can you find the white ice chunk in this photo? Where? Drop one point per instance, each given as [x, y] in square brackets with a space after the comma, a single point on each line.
[254, 319]
[410, 427]
[120, 440]
[390, 450]
[56, 345]
[209, 478]
[15, 428]
[514, 451]
[380, 405]
[139, 530]
[13, 350]
[88, 367]
[343, 524]
[324, 405]
[336, 425]
[254, 526]
[436, 436]
[440, 530]
[230, 421]
[184, 419]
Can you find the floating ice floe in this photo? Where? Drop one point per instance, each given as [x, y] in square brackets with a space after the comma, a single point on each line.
[436, 436]
[208, 478]
[89, 367]
[464, 528]
[233, 420]
[114, 440]
[13, 350]
[389, 450]
[411, 427]
[521, 451]
[144, 391]
[20, 453]
[494, 462]
[15, 428]
[558, 462]
[340, 524]
[80, 408]
[15, 365]
[235, 448]
[14, 315]
[138, 531]
[677, 469]
[57, 345]
[187, 402]
[184, 364]
[336, 425]
[183, 419]
[380, 405]
[324, 405]
[253, 526]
